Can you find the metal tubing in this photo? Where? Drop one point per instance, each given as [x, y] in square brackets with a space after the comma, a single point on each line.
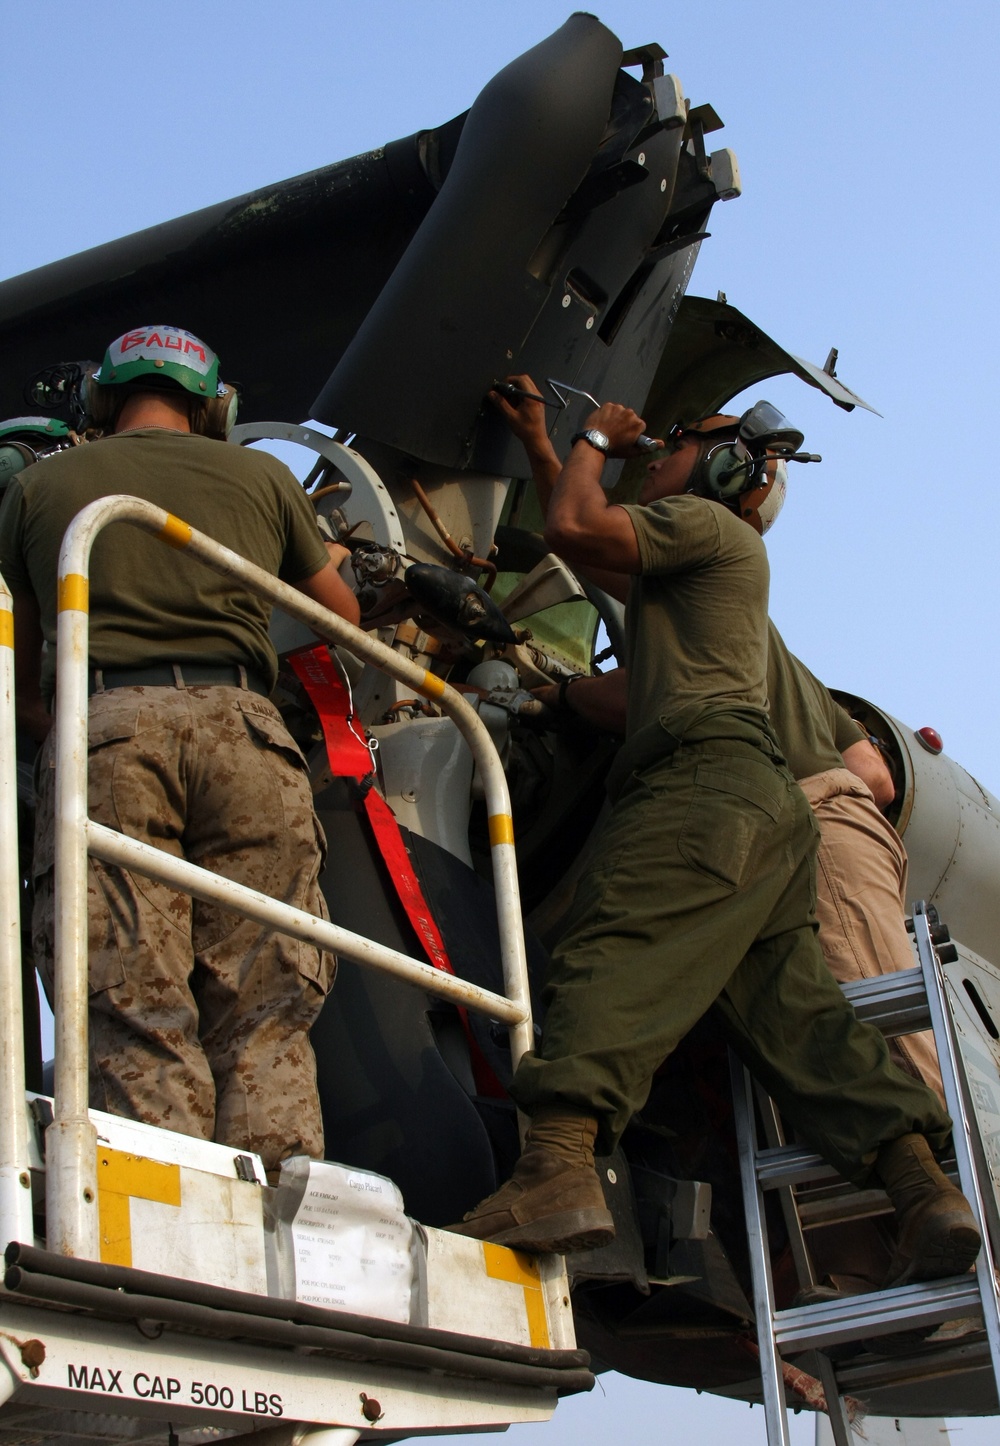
[328, 1436]
[341, 1345]
[125, 1279]
[74, 556]
[772, 1381]
[951, 1075]
[15, 1182]
[71, 1139]
[71, 1165]
[840, 1422]
[138, 857]
[297, 1433]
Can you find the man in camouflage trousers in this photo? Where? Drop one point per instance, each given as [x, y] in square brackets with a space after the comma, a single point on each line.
[199, 1018]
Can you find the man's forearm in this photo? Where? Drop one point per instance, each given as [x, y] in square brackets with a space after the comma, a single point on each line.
[545, 469]
[599, 699]
[865, 762]
[583, 525]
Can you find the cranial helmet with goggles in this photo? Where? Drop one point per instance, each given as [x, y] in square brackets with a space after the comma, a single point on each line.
[742, 461]
[149, 358]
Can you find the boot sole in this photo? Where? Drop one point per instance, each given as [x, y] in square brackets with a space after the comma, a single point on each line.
[954, 1253]
[560, 1234]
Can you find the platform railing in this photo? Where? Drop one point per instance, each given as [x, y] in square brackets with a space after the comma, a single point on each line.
[15, 1180]
[71, 1140]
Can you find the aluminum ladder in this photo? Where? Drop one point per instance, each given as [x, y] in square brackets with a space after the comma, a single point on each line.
[897, 1004]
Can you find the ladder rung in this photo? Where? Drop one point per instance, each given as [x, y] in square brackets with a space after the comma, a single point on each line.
[797, 1164]
[842, 1202]
[791, 1165]
[894, 1003]
[883, 1312]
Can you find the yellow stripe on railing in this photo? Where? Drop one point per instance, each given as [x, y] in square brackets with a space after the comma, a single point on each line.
[501, 829]
[6, 628]
[175, 532]
[432, 685]
[74, 593]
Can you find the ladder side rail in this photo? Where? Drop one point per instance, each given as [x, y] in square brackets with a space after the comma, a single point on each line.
[774, 1133]
[71, 1139]
[15, 1179]
[772, 1381]
[952, 1074]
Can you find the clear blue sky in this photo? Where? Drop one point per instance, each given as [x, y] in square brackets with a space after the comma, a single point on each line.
[867, 141]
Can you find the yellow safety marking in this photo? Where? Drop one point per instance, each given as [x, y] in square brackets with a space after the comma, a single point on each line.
[519, 1269]
[174, 531]
[432, 685]
[122, 1178]
[6, 628]
[74, 593]
[501, 829]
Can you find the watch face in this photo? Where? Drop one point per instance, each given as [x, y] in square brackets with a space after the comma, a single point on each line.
[597, 439]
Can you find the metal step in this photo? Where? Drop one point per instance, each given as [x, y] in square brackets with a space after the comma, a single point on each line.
[884, 1312]
[786, 1165]
[894, 1003]
[791, 1165]
[838, 1203]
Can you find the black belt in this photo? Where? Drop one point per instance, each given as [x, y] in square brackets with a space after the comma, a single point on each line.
[178, 675]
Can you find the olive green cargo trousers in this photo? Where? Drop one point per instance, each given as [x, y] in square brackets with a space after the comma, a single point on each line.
[701, 890]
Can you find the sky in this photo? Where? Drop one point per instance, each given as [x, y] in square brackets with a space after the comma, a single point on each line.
[865, 135]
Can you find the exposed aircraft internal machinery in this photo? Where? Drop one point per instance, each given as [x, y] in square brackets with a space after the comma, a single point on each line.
[466, 253]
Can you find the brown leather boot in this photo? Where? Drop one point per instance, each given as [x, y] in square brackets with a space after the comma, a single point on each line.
[936, 1232]
[553, 1202]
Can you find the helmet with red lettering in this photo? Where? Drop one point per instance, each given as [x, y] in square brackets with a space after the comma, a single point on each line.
[150, 357]
[160, 354]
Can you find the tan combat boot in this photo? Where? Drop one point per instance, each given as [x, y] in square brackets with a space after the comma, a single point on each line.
[936, 1232]
[553, 1202]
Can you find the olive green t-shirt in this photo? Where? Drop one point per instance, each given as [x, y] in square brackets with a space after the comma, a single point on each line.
[812, 728]
[696, 620]
[149, 603]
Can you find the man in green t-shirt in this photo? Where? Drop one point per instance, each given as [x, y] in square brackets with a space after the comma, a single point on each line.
[700, 887]
[199, 1019]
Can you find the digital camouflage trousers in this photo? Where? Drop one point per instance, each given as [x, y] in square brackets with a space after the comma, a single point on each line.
[199, 1017]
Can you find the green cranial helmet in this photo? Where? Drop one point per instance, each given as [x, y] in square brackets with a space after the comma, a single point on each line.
[24, 440]
[36, 431]
[158, 355]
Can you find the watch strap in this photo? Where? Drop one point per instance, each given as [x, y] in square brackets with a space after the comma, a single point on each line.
[591, 435]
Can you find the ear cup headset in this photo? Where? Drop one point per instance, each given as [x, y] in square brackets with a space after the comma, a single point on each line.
[149, 358]
[742, 461]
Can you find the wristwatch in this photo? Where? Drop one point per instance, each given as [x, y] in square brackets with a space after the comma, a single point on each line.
[599, 440]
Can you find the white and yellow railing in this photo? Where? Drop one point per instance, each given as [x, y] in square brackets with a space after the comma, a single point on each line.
[71, 1193]
[15, 1181]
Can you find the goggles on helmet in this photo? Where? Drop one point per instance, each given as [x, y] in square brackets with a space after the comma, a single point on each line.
[763, 426]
